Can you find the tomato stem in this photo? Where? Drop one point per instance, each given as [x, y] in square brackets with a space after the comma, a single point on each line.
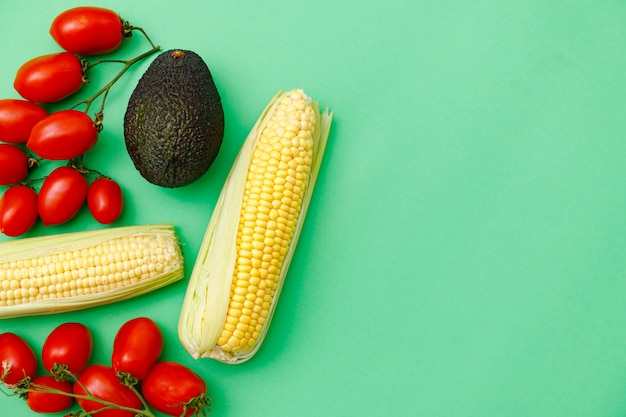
[144, 403]
[127, 64]
[77, 164]
[108, 405]
[143, 32]
[104, 90]
[128, 31]
[6, 370]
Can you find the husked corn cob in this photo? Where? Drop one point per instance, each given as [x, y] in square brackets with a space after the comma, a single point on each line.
[250, 239]
[72, 271]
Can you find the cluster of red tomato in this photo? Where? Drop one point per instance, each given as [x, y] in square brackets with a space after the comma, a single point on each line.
[136, 374]
[64, 135]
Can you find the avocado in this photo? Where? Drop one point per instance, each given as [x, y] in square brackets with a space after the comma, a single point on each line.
[174, 122]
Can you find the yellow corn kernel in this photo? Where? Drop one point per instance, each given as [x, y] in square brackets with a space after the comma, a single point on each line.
[250, 239]
[72, 271]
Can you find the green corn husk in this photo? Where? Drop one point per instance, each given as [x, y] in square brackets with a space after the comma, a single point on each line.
[204, 309]
[73, 271]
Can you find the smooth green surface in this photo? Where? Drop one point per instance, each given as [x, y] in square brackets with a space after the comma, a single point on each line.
[464, 254]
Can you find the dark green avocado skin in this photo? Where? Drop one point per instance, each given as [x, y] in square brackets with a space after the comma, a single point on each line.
[174, 123]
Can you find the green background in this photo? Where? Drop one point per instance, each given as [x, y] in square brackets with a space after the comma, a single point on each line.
[464, 253]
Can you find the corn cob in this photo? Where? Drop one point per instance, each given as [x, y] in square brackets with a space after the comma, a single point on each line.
[253, 231]
[73, 271]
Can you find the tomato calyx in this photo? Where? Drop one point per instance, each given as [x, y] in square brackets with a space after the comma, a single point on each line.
[98, 121]
[6, 370]
[21, 384]
[84, 64]
[200, 405]
[127, 29]
[61, 372]
[32, 162]
[22, 388]
[127, 379]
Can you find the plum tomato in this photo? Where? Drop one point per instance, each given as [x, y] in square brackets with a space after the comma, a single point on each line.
[49, 78]
[17, 118]
[68, 344]
[61, 196]
[18, 210]
[88, 30]
[63, 135]
[102, 382]
[105, 200]
[13, 164]
[136, 347]
[41, 400]
[17, 358]
[173, 389]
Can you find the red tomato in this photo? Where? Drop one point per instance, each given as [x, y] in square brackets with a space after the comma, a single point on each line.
[69, 344]
[174, 389]
[63, 135]
[13, 164]
[102, 383]
[49, 78]
[61, 196]
[105, 200]
[88, 30]
[17, 359]
[137, 346]
[17, 118]
[41, 400]
[18, 210]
